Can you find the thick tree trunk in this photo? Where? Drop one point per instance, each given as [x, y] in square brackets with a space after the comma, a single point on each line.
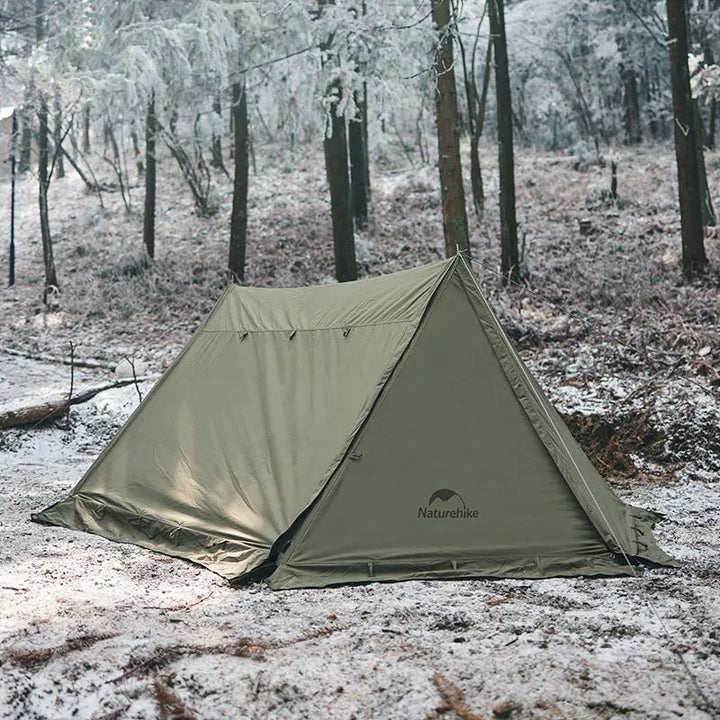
[336, 168]
[452, 192]
[358, 180]
[43, 185]
[239, 215]
[508, 221]
[150, 180]
[694, 259]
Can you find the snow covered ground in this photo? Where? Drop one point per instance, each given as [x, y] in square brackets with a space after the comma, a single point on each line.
[94, 629]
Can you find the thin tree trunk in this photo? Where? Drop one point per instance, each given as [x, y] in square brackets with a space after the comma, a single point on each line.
[366, 147]
[239, 215]
[336, 167]
[27, 132]
[13, 156]
[476, 180]
[58, 136]
[216, 150]
[43, 185]
[710, 139]
[631, 101]
[86, 129]
[694, 260]
[136, 150]
[150, 180]
[357, 166]
[455, 223]
[708, 211]
[508, 221]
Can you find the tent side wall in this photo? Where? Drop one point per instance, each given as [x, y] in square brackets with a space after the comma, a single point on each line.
[625, 529]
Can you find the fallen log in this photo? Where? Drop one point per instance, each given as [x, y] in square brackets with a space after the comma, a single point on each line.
[34, 415]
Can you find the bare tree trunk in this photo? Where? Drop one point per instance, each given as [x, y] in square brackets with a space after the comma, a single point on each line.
[366, 147]
[476, 180]
[508, 221]
[455, 223]
[13, 157]
[58, 136]
[150, 180]
[239, 215]
[26, 137]
[708, 211]
[694, 260]
[631, 101]
[86, 128]
[710, 139]
[217, 158]
[43, 185]
[336, 167]
[136, 150]
[358, 180]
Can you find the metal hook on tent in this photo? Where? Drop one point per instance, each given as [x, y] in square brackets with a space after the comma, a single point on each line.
[346, 331]
[243, 335]
[292, 335]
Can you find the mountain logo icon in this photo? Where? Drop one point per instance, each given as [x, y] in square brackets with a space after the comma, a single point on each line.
[444, 505]
[445, 494]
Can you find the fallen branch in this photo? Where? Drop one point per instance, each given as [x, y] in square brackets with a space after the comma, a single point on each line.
[246, 647]
[31, 657]
[89, 363]
[34, 415]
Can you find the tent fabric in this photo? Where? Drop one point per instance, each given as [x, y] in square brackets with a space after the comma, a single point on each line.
[383, 429]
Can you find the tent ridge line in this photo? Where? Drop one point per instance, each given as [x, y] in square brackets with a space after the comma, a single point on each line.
[408, 321]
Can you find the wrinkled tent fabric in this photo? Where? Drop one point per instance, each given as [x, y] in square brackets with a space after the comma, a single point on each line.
[383, 429]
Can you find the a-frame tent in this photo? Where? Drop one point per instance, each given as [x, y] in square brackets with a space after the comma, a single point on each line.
[383, 429]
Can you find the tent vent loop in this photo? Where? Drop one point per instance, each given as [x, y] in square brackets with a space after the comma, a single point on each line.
[292, 335]
[346, 331]
[371, 569]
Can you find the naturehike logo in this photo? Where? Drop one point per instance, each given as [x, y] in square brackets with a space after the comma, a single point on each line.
[447, 505]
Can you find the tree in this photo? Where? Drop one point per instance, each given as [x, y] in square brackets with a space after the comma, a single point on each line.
[150, 178]
[239, 215]
[694, 260]
[357, 140]
[455, 223]
[336, 167]
[508, 221]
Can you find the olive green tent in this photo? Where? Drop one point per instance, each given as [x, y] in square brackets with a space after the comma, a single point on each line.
[383, 429]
